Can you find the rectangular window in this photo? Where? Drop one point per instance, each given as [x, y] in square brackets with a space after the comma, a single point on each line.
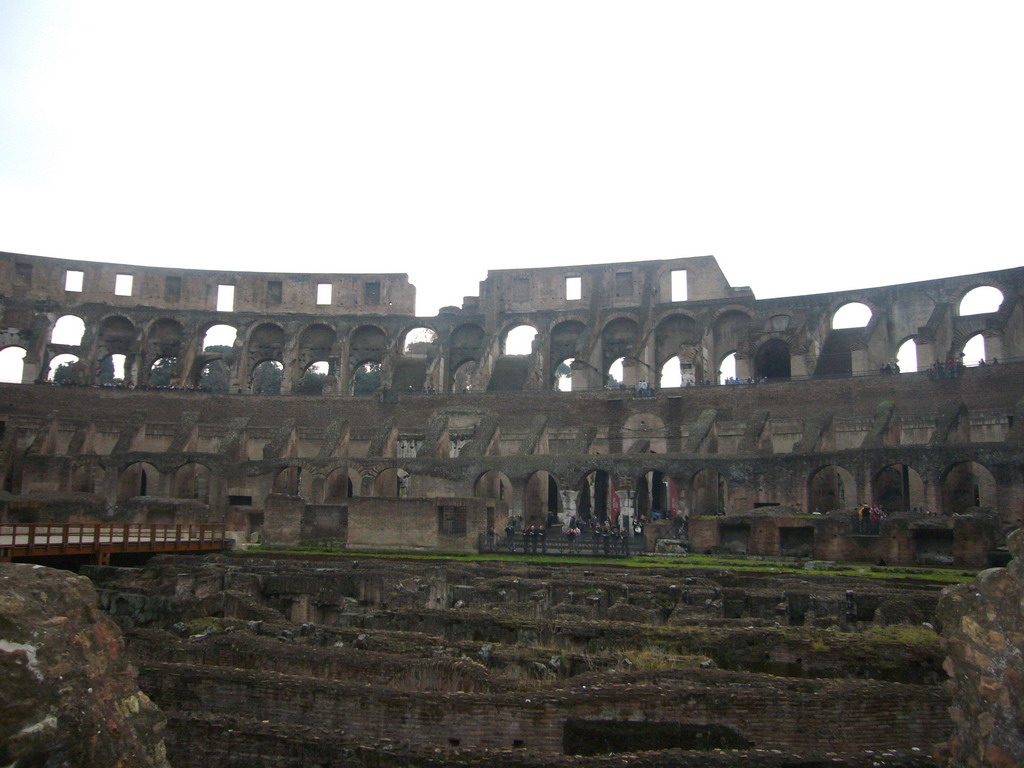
[521, 289]
[73, 280]
[678, 285]
[274, 291]
[225, 298]
[573, 288]
[323, 293]
[172, 288]
[371, 294]
[123, 285]
[623, 283]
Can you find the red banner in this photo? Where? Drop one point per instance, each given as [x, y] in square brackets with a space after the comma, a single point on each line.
[614, 505]
[673, 502]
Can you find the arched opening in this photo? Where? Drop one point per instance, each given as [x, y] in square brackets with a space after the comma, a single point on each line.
[618, 338]
[12, 364]
[906, 356]
[267, 378]
[420, 341]
[465, 346]
[192, 481]
[63, 369]
[413, 368]
[215, 376]
[69, 330]
[852, 315]
[493, 485]
[317, 341]
[565, 338]
[708, 493]
[519, 340]
[112, 369]
[727, 368]
[264, 356]
[162, 372]
[593, 501]
[511, 370]
[981, 301]
[898, 488]
[338, 486]
[164, 338]
[138, 479]
[117, 334]
[671, 336]
[368, 343]
[616, 374]
[314, 379]
[671, 373]
[287, 481]
[653, 500]
[391, 484]
[366, 379]
[772, 360]
[463, 379]
[219, 338]
[830, 487]
[730, 331]
[968, 487]
[563, 375]
[540, 507]
[974, 350]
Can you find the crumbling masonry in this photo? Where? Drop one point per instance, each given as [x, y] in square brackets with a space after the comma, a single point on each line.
[459, 436]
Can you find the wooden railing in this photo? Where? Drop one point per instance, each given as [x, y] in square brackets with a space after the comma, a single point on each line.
[102, 540]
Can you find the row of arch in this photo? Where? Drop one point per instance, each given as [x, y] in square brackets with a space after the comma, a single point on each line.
[161, 351]
[772, 361]
[544, 498]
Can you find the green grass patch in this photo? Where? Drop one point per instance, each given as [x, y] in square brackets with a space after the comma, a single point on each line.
[690, 562]
[904, 634]
[198, 626]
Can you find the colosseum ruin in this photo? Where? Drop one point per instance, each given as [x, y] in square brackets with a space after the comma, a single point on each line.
[317, 412]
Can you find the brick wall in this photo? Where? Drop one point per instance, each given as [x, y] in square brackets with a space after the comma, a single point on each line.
[771, 712]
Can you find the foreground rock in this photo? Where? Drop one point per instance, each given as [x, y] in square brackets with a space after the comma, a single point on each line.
[69, 696]
[983, 622]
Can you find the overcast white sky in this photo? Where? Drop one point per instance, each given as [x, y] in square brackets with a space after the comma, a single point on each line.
[810, 146]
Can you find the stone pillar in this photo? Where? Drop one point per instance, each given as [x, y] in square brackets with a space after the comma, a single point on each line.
[632, 372]
[926, 356]
[933, 496]
[861, 361]
[517, 504]
[744, 367]
[798, 366]
[994, 346]
[569, 499]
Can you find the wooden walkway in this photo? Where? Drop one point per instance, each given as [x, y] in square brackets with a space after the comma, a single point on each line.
[38, 540]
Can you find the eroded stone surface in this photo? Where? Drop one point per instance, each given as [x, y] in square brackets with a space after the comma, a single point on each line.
[983, 623]
[341, 661]
[69, 696]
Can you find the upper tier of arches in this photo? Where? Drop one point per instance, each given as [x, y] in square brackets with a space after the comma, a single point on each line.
[511, 338]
